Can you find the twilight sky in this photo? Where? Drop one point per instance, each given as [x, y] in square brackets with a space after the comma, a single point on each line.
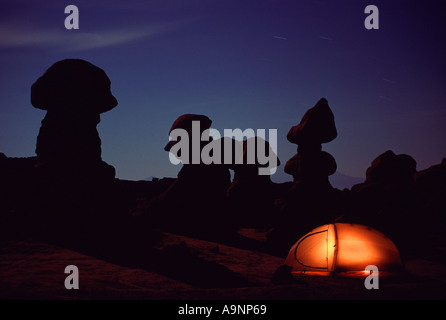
[246, 64]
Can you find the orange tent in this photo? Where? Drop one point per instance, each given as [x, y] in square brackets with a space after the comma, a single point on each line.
[343, 247]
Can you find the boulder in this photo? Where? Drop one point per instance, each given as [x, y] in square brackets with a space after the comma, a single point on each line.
[307, 168]
[317, 126]
[74, 93]
[73, 84]
[389, 168]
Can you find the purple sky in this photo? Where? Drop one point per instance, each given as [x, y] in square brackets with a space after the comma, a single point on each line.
[245, 64]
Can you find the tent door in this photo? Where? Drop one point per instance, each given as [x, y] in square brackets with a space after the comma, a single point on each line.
[312, 251]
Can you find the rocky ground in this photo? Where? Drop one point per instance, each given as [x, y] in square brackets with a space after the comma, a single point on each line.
[35, 270]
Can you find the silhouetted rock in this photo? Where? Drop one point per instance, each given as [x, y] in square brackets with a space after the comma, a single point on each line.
[74, 92]
[388, 186]
[73, 85]
[16, 174]
[311, 200]
[388, 179]
[251, 196]
[194, 203]
[391, 168]
[317, 126]
[430, 186]
[311, 165]
[388, 201]
[432, 178]
[17, 189]
[311, 168]
[185, 122]
[75, 195]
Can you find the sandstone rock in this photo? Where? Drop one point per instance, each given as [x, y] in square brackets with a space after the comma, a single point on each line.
[73, 85]
[74, 92]
[391, 168]
[319, 165]
[185, 122]
[317, 126]
[252, 195]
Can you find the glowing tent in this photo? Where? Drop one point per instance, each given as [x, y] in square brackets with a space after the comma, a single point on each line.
[343, 247]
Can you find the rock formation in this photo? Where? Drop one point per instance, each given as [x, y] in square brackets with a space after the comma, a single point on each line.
[391, 168]
[251, 195]
[311, 200]
[195, 201]
[73, 186]
[74, 93]
[311, 166]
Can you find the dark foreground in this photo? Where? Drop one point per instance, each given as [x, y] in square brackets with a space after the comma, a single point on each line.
[134, 261]
[35, 270]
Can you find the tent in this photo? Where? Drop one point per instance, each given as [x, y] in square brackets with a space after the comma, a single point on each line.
[343, 247]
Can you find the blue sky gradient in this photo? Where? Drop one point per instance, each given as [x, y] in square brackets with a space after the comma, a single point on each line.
[245, 64]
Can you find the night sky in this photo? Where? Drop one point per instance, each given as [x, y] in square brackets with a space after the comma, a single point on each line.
[245, 64]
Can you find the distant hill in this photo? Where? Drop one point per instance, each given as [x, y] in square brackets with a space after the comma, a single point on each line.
[337, 180]
[342, 181]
